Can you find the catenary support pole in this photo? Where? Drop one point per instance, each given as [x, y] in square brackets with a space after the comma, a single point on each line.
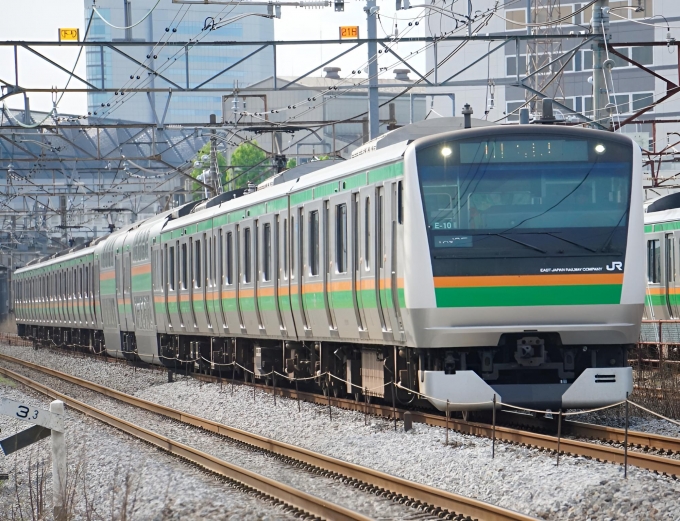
[559, 435]
[600, 26]
[394, 406]
[373, 100]
[625, 444]
[447, 423]
[330, 411]
[493, 429]
[297, 393]
[58, 466]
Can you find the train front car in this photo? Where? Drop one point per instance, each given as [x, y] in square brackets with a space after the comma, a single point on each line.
[524, 267]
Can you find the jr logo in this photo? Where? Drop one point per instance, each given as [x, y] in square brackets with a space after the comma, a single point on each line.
[615, 266]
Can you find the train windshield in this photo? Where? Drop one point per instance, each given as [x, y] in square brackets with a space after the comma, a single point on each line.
[524, 195]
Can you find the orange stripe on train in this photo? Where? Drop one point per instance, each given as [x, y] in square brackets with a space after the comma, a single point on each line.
[529, 280]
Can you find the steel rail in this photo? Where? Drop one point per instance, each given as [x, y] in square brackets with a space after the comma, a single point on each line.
[415, 492]
[639, 439]
[266, 486]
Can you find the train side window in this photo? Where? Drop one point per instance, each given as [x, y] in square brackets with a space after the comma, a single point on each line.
[171, 268]
[285, 248]
[367, 234]
[292, 247]
[267, 252]
[341, 238]
[313, 255]
[197, 264]
[220, 257]
[247, 257]
[230, 258]
[400, 202]
[379, 232]
[670, 258]
[185, 261]
[654, 261]
[211, 259]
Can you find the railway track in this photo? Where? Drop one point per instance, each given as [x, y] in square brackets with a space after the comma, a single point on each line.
[648, 453]
[427, 499]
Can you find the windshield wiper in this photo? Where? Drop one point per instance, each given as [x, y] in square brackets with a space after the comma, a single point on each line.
[571, 242]
[518, 242]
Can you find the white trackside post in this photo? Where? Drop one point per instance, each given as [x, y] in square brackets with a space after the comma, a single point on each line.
[58, 465]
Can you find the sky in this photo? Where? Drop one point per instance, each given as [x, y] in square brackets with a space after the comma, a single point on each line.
[40, 19]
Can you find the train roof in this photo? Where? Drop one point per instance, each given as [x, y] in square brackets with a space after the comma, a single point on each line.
[64, 256]
[334, 171]
[665, 208]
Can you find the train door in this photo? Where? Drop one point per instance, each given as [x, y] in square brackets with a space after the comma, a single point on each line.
[220, 320]
[80, 310]
[119, 292]
[199, 283]
[655, 290]
[671, 275]
[267, 290]
[247, 304]
[127, 289]
[84, 289]
[382, 234]
[368, 277]
[172, 296]
[232, 313]
[69, 296]
[297, 239]
[390, 269]
[186, 309]
[214, 290]
[94, 291]
[342, 293]
[284, 253]
[158, 270]
[313, 264]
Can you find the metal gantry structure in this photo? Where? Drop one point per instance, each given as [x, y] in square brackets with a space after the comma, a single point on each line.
[70, 170]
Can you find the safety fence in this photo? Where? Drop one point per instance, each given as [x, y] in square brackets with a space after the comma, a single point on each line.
[656, 366]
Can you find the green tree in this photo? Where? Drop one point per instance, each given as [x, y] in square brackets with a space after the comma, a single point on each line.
[243, 165]
[197, 189]
[292, 163]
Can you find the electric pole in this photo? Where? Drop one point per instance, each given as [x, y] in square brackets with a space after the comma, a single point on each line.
[600, 24]
[214, 170]
[373, 101]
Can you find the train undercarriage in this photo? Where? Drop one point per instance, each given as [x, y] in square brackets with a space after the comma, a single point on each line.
[536, 371]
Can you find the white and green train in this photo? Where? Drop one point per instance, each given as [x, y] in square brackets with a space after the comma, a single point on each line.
[662, 234]
[499, 260]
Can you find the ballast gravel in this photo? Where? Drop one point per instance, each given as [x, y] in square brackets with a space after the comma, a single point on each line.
[327, 488]
[522, 479]
[113, 476]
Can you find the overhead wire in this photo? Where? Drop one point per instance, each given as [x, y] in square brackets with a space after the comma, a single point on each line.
[94, 9]
[179, 53]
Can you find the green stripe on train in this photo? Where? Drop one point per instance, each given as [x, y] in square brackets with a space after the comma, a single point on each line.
[528, 296]
[662, 227]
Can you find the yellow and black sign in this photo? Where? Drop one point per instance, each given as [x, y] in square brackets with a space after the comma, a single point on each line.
[69, 34]
[349, 32]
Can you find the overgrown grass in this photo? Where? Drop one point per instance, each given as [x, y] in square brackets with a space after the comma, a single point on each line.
[27, 495]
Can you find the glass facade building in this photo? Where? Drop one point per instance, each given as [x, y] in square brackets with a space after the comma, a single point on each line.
[167, 66]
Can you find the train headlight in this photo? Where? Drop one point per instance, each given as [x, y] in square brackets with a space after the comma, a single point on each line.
[446, 151]
[599, 149]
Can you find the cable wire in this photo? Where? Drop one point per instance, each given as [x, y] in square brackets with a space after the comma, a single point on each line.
[94, 8]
